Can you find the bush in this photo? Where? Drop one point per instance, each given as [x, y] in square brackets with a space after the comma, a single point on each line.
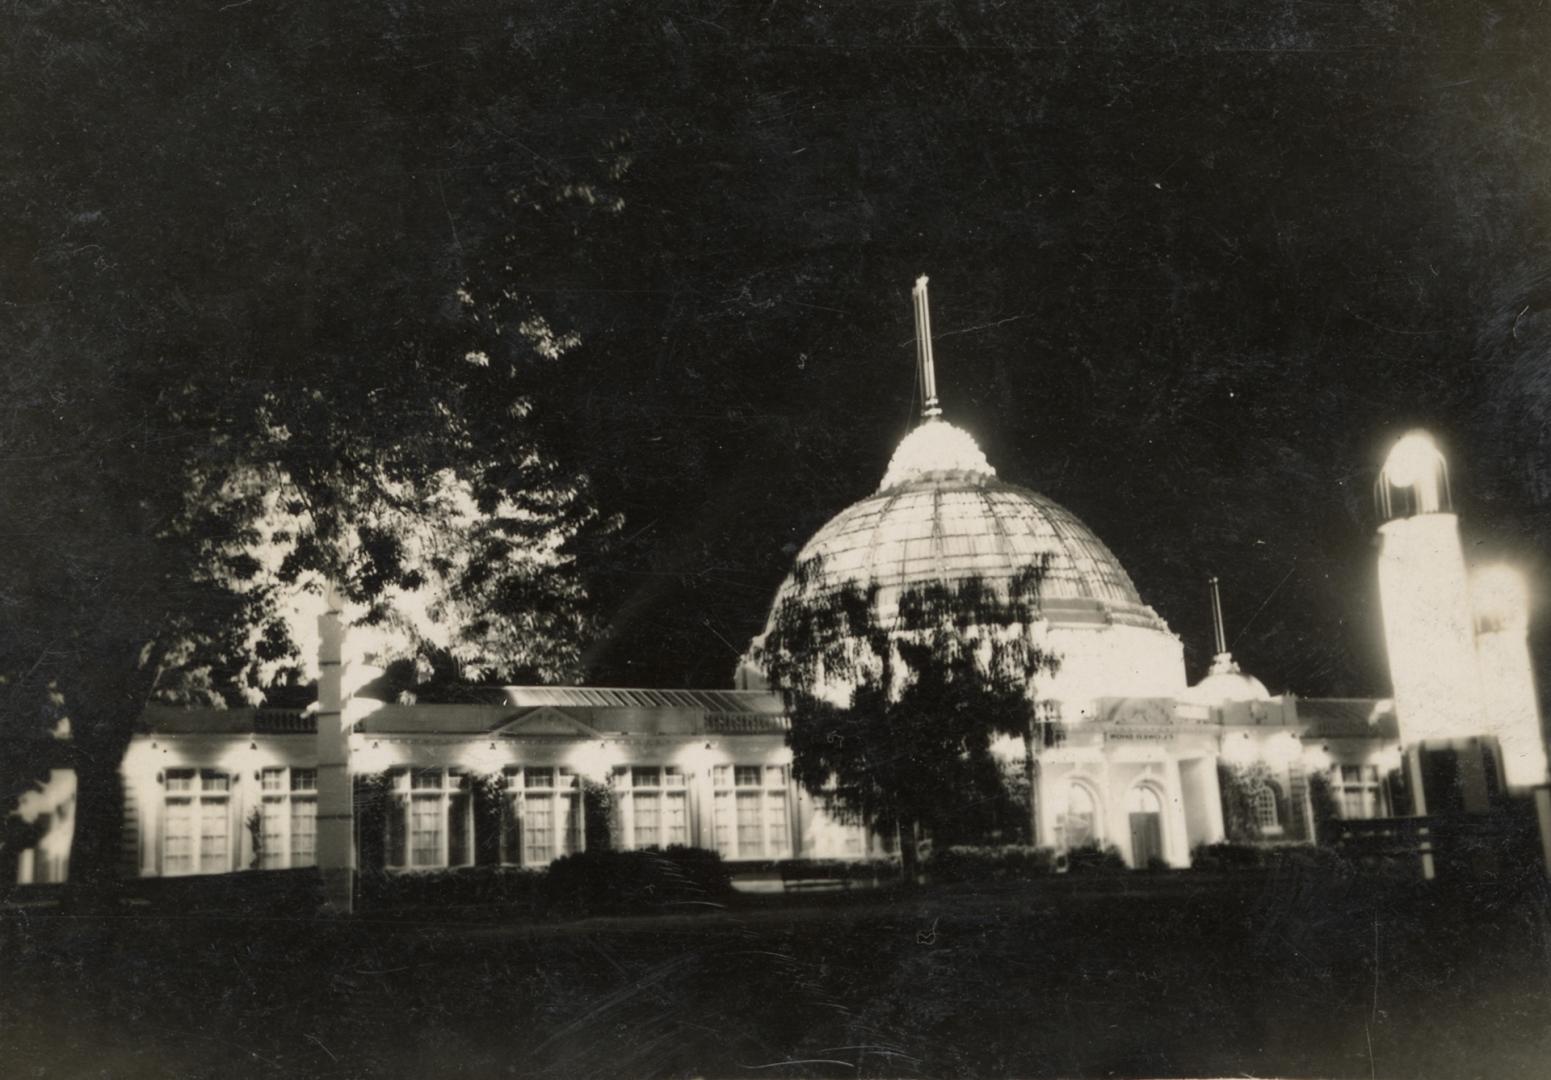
[291, 893]
[1014, 862]
[1091, 858]
[1297, 859]
[509, 887]
[1229, 855]
[1308, 859]
[621, 882]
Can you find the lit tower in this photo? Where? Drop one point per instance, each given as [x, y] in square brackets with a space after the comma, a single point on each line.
[1428, 621]
[1508, 681]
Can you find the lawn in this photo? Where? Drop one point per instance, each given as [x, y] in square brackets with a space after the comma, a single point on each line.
[1134, 976]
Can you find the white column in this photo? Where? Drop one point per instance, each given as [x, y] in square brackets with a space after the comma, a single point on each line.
[336, 817]
[1213, 790]
[1177, 842]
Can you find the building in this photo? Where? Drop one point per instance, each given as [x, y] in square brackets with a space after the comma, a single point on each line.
[1145, 762]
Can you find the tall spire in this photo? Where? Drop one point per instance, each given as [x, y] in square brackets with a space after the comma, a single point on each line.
[1222, 640]
[926, 372]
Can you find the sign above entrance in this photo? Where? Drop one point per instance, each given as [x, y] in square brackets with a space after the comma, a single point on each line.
[1139, 734]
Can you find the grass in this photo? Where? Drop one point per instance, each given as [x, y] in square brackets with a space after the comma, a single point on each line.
[1258, 975]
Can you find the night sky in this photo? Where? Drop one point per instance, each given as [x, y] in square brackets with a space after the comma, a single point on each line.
[1194, 266]
[1191, 273]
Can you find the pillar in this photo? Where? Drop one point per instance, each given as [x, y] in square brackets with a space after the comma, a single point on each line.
[336, 817]
[1413, 760]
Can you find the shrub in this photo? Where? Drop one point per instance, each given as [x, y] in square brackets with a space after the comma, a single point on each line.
[620, 882]
[514, 888]
[1228, 855]
[1091, 858]
[290, 893]
[1013, 862]
[1297, 859]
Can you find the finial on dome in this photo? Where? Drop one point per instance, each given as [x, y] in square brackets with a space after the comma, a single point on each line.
[1223, 663]
[924, 367]
[1225, 681]
[1222, 640]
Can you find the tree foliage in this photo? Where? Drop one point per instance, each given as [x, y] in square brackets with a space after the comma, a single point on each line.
[895, 713]
[261, 328]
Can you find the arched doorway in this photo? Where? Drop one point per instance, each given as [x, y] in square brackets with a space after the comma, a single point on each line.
[1078, 821]
[1145, 811]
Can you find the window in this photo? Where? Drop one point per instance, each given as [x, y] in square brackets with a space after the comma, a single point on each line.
[1357, 791]
[750, 811]
[654, 806]
[1263, 803]
[289, 810]
[196, 822]
[430, 822]
[544, 820]
[1076, 822]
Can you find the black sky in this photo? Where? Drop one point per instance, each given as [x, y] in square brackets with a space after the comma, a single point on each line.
[1193, 265]
[1192, 269]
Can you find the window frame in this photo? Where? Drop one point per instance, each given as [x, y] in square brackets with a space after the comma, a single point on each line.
[628, 790]
[772, 795]
[197, 797]
[1096, 832]
[1265, 796]
[453, 796]
[1367, 787]
[567, 832]
[287, 796]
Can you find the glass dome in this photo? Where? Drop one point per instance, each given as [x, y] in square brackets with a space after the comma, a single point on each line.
[942, 515]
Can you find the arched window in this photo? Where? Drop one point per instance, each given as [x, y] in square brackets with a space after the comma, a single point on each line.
[1267, 818]
[1078, 819]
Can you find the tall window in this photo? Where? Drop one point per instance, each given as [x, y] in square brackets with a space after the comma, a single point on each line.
[750, 811]
[290, 817]
[430, 821]
[654, 805]
[196, 822]
[1357, 790]
[1077, 820]
[546, 809]
[1267, 818]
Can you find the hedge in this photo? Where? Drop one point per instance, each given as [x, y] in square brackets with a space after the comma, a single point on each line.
[1013, 862]
[618, 882]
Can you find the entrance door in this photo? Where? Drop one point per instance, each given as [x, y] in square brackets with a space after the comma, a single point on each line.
[1146, 812]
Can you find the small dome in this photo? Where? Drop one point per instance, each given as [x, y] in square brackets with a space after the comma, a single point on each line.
[1226, 683]
[935, 449]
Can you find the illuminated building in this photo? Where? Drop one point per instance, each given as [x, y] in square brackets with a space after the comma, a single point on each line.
[1144, 762]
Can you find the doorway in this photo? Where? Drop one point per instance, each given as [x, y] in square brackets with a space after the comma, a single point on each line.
[1145, 810]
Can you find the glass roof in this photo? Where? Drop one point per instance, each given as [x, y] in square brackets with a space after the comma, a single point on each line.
[954, 526]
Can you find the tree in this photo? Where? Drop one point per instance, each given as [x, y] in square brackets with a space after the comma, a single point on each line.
[260, 327]
[895, 714]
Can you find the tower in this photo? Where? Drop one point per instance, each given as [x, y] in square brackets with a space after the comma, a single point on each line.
[1508, 680]
[1424, 591]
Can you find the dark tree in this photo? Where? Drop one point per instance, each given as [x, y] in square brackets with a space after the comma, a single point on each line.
[261, 327]
[895, 716]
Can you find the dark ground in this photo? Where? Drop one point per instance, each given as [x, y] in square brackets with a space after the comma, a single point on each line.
[1128, 976]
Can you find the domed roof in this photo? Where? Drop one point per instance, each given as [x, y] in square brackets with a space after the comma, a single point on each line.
[941, 515]
[1225, 683]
